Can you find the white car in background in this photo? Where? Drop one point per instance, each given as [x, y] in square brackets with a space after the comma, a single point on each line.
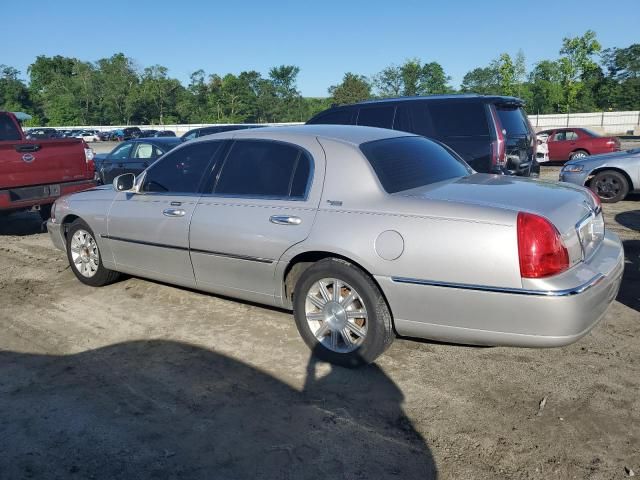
[542, 148]
[88, 135]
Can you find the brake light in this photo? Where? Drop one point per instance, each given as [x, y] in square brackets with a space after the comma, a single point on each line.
[498, 146]
[540, 248]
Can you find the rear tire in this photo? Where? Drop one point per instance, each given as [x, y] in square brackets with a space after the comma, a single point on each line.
[578, 154]
[610, 186]
[350, 327]
[85, 258]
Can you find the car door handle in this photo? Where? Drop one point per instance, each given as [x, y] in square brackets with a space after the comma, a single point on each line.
[285, 220]
[173, 212]
[31, 147]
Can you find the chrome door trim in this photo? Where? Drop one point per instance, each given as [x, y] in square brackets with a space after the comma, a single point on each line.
[193, 250]
[517, 291]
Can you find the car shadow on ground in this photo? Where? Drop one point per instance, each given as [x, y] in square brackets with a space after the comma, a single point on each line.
[630, 219]
[629, 294]
[23, 223]
[163, 409]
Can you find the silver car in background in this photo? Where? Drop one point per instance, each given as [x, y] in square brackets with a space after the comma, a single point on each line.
[611, 175]
[362, 232]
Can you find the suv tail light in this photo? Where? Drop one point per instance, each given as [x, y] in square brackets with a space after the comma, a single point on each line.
[498, 146]
[540, 248]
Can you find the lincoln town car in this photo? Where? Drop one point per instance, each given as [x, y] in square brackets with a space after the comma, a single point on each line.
[364, 233]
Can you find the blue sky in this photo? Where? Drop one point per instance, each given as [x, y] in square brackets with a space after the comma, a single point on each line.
[325, 39]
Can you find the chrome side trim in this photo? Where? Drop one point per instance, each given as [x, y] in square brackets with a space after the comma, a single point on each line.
[517, 291]
[191, 250]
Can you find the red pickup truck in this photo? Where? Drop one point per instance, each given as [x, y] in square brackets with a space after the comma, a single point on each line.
[33, 173]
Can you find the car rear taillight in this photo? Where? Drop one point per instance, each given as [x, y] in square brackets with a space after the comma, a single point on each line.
[540, 248]
[498, 146]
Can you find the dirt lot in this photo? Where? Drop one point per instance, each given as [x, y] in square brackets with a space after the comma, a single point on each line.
[144, 380]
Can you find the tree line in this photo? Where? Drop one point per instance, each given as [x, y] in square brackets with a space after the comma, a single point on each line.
[116, 91]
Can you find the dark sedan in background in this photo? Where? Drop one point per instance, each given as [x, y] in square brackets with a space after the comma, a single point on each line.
[132, 156]
[201, 132]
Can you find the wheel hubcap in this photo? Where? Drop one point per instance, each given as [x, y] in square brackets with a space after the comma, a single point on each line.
[607, 187]
[336, 315]
[579, 155]
[84, 253]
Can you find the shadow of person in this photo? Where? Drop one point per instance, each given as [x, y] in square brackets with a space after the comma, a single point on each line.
[629, 293]
[161, 409]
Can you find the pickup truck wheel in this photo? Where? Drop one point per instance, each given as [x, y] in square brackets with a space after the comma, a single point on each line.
[578, 154]
[84, 256]
[610, 186]
[341, 314]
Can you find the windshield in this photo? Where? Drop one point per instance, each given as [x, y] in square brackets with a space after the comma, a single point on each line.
[591, 133]
[403, 163]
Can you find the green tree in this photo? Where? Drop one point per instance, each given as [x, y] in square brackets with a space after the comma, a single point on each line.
[482, 80]
[433, 79]
[576, 63]
[118, 93]
[389, 82]
[353, 88]
[14, 95]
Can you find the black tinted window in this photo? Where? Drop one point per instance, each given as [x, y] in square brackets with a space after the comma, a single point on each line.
[259, 168]
[181, 170]
[513, 120]
[8, 130]
[339, 117]
[409, 162]
[381, 116]
[458, 119]
[414, 117]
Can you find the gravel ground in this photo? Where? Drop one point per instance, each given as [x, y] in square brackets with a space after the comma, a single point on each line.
[144, 380]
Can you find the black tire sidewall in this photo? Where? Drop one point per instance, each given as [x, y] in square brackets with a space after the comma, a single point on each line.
[379, 330]
[623, 181]
[103, 275]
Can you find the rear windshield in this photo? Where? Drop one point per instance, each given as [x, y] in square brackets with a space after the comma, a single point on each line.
[513, 120]
[591, 133]
[403, 163]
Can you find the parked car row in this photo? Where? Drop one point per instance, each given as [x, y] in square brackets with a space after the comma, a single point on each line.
[363, 232]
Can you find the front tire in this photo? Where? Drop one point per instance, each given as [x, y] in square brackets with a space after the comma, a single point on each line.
[610, 186]
[578, 154]
[84, 256]
[341, 314]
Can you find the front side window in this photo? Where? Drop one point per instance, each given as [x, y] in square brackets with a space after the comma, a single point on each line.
[256, 168]
[144, 150]
[381, 116]
[339, 117]
[571, 135]
[181, 170]
[403, 163]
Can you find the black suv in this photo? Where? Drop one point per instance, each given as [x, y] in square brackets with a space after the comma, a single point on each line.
[491, 133]
[201, 132]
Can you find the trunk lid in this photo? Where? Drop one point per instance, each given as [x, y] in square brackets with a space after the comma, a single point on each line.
[566, 206]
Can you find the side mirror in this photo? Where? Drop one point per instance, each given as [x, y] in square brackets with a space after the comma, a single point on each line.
[124, 182]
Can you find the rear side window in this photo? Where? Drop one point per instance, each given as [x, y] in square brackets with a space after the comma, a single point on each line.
[404, 163]
[414, 117]
[381, 116]
[458, 119]
[8, 130]
[256, 168]
[513, 120]
[339, 117]
[181, 170]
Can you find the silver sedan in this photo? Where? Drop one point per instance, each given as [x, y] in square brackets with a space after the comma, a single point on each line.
[364, 233]
[610, 175]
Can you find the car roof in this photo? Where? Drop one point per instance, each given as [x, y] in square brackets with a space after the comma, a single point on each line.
[351, 134]
[461, 96]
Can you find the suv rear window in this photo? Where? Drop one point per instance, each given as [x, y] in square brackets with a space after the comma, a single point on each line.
[379, 116]
[513, 120]
[404, 163]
